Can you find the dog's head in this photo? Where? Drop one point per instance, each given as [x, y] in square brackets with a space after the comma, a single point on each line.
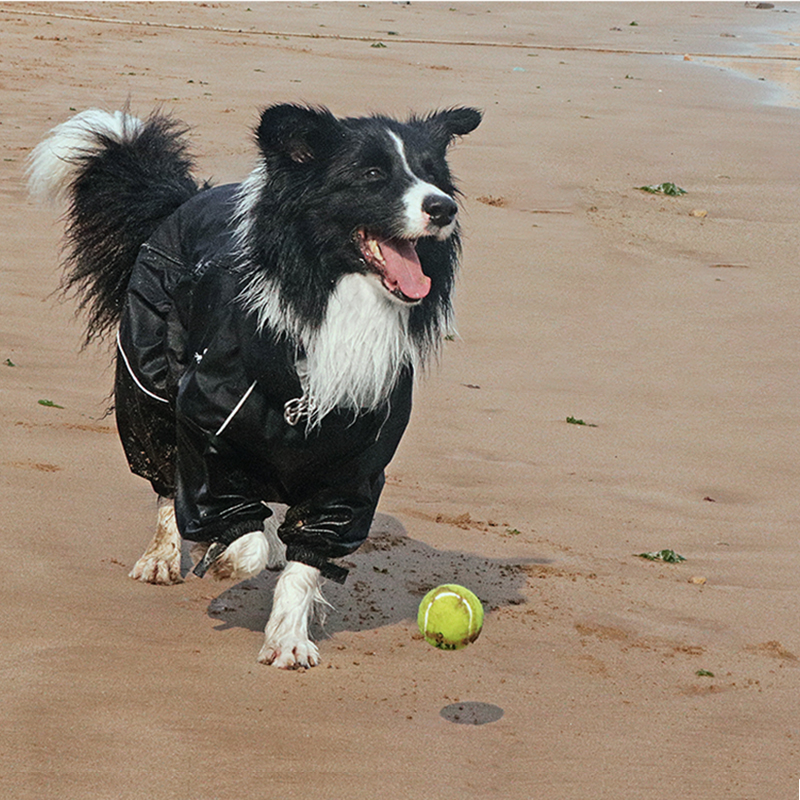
[370, 195]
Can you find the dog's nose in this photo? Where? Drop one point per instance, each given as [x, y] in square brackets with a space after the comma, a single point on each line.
[441, 209]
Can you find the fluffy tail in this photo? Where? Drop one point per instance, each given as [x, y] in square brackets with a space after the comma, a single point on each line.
[121, 176]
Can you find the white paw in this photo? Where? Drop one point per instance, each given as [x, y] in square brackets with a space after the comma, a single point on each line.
[161, 562]
[247, 556]
[286, 642]
[158, 568]
[289, 653]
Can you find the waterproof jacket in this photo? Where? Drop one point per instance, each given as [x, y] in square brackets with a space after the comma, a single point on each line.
[204, 401]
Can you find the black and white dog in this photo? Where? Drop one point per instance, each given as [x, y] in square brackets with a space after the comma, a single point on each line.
[267, 332]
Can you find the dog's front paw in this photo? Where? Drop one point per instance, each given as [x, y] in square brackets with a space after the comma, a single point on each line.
[289, 653]
[286, 642]
[159, 568]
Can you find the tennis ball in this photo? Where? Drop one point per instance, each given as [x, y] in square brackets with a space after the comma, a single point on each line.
[450, 617]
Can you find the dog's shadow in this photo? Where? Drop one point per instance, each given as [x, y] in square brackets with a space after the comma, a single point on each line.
[389, 575]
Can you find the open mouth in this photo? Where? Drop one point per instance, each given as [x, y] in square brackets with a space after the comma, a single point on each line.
[396, 262]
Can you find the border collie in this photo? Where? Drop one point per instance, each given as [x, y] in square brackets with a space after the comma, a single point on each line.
[267, 332]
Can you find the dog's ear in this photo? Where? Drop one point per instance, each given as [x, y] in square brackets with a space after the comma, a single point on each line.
[453, 122]
[297, 133]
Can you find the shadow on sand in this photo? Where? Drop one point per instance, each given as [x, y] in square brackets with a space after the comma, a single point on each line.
[389, 575]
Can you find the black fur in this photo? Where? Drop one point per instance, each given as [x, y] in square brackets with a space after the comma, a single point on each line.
[121, 192]
[328, 177]
[322, 180]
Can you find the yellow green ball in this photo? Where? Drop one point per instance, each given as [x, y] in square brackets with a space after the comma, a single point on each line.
[450, 617]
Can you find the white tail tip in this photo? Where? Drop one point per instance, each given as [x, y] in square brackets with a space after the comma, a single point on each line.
[53, 162]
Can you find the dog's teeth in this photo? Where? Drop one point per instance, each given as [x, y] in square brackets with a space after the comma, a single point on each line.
[375, 249]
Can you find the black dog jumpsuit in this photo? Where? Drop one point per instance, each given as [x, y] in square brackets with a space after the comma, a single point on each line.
[204, 398]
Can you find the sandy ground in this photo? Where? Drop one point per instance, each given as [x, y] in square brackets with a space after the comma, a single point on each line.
[674, 335]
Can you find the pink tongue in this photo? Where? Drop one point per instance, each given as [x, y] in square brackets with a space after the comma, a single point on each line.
[403, 270]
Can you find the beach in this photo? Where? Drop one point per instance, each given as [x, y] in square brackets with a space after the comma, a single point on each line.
[624, 381]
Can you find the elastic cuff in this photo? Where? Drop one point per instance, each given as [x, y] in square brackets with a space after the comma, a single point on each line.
[327, 568]
[228, 532]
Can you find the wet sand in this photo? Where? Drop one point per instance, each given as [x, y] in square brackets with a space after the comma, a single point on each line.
[668, 324]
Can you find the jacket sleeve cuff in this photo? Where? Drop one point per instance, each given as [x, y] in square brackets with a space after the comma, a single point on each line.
[327, 568]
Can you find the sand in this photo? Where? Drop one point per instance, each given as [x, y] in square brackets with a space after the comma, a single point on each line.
[674, 336]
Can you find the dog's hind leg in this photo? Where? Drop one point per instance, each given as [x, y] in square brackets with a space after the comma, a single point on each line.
[286, 643]
[161, 562]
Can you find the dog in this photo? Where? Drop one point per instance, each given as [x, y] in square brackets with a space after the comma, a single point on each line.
[268, 332]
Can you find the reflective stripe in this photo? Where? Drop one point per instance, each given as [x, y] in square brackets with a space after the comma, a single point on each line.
[132, 374]
[236, 408]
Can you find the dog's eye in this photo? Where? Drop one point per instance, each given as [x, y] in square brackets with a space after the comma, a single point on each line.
[429, 169]
[374, 174]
